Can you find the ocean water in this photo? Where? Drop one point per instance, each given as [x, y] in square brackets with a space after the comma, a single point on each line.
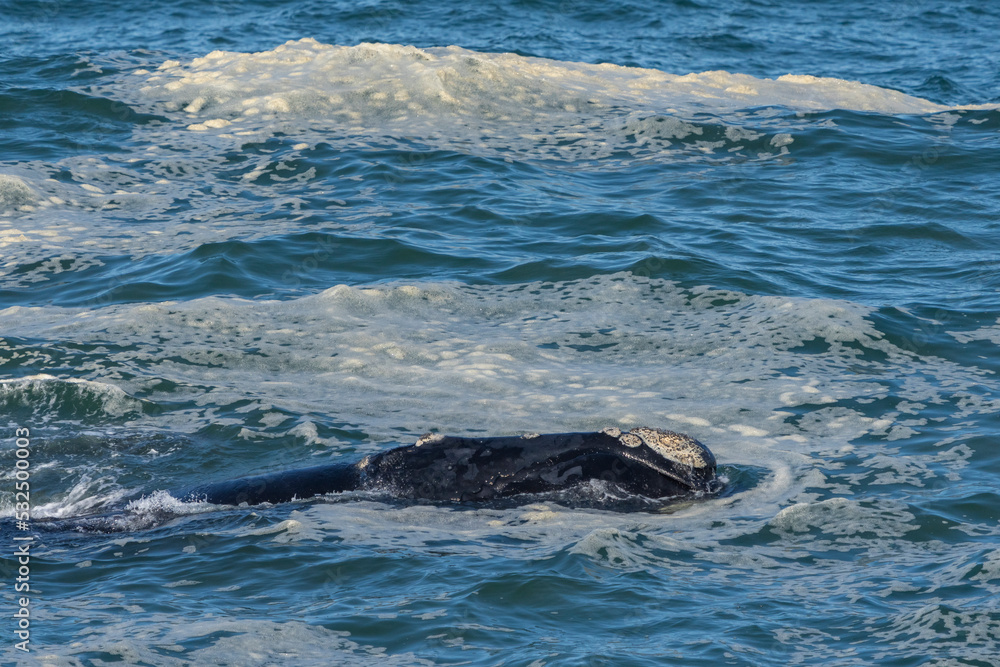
[245, 236]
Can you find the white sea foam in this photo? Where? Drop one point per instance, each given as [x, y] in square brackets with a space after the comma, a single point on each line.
[373, 83]
[364, 350]
[989, 333]
[84, 497]
[844, 518]
[163, 502]
[14, 193]
[493, 103]
[377, 96]
[161, 640]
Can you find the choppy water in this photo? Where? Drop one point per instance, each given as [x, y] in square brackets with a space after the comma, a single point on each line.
[237, 237]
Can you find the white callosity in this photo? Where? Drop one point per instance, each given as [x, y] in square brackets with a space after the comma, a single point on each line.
[673, 446]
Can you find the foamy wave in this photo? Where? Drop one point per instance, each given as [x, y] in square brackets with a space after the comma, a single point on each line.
[84, 510]
[372, 82]
[845, 519]
[494, 102]
[374, 97]
[45, 397]
[160, 502]
[86, 496]
[14, 193]
[225, 641]
[363, 350]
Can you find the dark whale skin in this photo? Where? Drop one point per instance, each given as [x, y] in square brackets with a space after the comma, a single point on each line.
[644, 461]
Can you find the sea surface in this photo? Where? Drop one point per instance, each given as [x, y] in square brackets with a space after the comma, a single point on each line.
[246, 236]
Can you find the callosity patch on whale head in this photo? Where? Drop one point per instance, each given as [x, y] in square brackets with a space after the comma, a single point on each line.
[675, 447]
[630, 440]
[429, 439]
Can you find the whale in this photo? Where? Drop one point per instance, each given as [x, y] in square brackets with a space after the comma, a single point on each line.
[642, 461]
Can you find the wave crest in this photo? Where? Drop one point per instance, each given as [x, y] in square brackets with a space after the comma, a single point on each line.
[44, 398]
[494, 102]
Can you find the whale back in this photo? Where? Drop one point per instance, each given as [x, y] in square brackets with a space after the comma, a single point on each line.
[644, 461]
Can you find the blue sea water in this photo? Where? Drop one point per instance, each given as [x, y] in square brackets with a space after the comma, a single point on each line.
[246, 236]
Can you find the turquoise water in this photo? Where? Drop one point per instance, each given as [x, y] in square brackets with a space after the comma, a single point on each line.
[240, 237]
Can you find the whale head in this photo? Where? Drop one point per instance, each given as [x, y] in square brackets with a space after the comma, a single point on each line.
[680, 463]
